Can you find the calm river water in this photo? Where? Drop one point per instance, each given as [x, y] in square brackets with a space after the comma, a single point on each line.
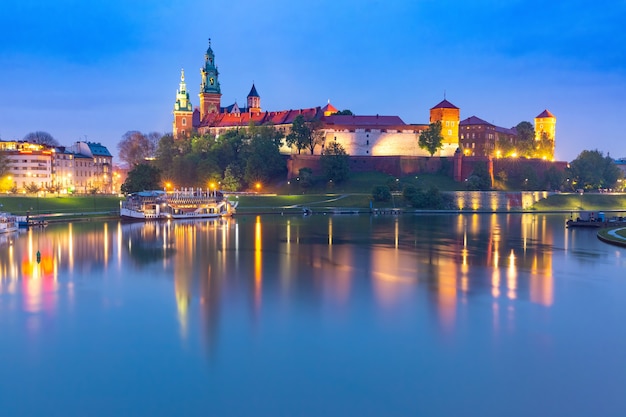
[434, 315]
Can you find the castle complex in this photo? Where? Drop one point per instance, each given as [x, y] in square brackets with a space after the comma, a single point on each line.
[359, 135]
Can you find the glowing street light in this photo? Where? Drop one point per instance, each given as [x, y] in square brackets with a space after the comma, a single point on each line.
[257, 186]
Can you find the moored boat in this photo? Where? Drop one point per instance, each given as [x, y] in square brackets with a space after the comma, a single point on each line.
[8, 223]
[179, 204]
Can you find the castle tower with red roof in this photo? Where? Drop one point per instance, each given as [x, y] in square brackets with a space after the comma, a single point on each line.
[210, 92]
[183, 110]
[449, 115]
[545, 126]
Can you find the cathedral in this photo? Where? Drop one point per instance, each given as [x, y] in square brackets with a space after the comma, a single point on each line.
[374, 135]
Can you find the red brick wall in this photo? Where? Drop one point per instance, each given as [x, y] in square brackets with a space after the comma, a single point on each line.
[392, 165]
[407, 165]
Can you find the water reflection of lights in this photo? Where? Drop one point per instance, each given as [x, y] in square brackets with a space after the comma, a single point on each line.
[511, 277]
[258, 261]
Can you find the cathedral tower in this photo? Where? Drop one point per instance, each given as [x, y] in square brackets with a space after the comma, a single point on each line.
[210, 93]
[254, 101]
[449, 115]
[183, 110]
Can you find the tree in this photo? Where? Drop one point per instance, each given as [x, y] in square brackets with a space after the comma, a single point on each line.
[480, 178]
[305, 134]
[42, 138]
[592, 170]
[4, 164]
[345, 112]
[135, 147]
[525, 139]
[335, 163]
[381, 193]
[505, 146]
[263, 160]
[233, 178]
[141, 178]
[431, 139]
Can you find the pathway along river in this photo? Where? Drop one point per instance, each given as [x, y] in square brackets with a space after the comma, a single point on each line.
[486, 315]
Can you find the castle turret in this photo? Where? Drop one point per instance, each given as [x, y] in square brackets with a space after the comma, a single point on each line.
[449, 115]
[183, 110]
[254, 101]
[545, 128]
[210, 92]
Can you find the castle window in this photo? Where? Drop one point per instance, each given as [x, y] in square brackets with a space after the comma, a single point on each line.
[449, 132]
[367, 151]
[367, 142]
[184, 122]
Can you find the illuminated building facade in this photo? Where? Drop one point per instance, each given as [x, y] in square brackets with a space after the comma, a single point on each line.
[81, 168]
[359, 135]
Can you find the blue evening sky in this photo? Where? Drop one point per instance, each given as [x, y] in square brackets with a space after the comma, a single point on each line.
[96, 69]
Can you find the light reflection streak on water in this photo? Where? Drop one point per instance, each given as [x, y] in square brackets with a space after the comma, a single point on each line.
[511, 277]
[258, 262]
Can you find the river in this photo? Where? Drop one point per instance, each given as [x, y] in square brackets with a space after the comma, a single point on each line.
[435, 315]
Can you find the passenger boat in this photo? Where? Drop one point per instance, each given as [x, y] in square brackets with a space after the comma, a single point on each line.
[179, 204]
[8, 223]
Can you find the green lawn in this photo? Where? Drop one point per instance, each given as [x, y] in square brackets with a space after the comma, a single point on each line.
[64, 204]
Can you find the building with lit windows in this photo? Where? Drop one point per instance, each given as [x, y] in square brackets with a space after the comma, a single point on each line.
[84, 167]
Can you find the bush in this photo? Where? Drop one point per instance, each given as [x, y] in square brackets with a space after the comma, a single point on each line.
[381, 193]
[431, 199]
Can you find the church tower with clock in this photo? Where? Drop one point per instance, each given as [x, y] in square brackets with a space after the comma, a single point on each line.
[210, 92]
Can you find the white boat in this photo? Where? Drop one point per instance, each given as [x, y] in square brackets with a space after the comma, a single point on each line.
[8, 223]
[179, 204]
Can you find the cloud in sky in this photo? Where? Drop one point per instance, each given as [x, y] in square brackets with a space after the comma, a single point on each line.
[101, 68]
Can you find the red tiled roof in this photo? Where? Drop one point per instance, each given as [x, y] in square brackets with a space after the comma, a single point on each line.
[330, 108]
[445, 104]
[275, 117]
[473, 120]
[545, 114]
[363, 121]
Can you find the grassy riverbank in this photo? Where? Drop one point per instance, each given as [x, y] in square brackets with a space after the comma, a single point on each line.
[354, 198]
[576, 202]
[20, 205]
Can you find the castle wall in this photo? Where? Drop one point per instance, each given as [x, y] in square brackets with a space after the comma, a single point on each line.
[377, 142]
[392, 165]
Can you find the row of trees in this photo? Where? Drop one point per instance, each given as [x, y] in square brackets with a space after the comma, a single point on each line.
[237, 159]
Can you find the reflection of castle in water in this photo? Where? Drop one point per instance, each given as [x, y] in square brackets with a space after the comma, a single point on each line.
[316, 261]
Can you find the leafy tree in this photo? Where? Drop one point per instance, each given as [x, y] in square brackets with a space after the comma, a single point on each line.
[553, 178]
[345, 112]
[335, 163]
[305, 134]
[480, 178]
[42, 138]
[263, 160]
[142, 177]
[431, 139]
[4, 164]
[233, 178]
[306, 178]
[525, 139]
[32, 188]
[135, 147]
[505, 146]
[544, 147]
[381, 193]
[431, 199]
[592, 170]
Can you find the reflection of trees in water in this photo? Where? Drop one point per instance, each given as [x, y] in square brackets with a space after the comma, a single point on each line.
[148, 242]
